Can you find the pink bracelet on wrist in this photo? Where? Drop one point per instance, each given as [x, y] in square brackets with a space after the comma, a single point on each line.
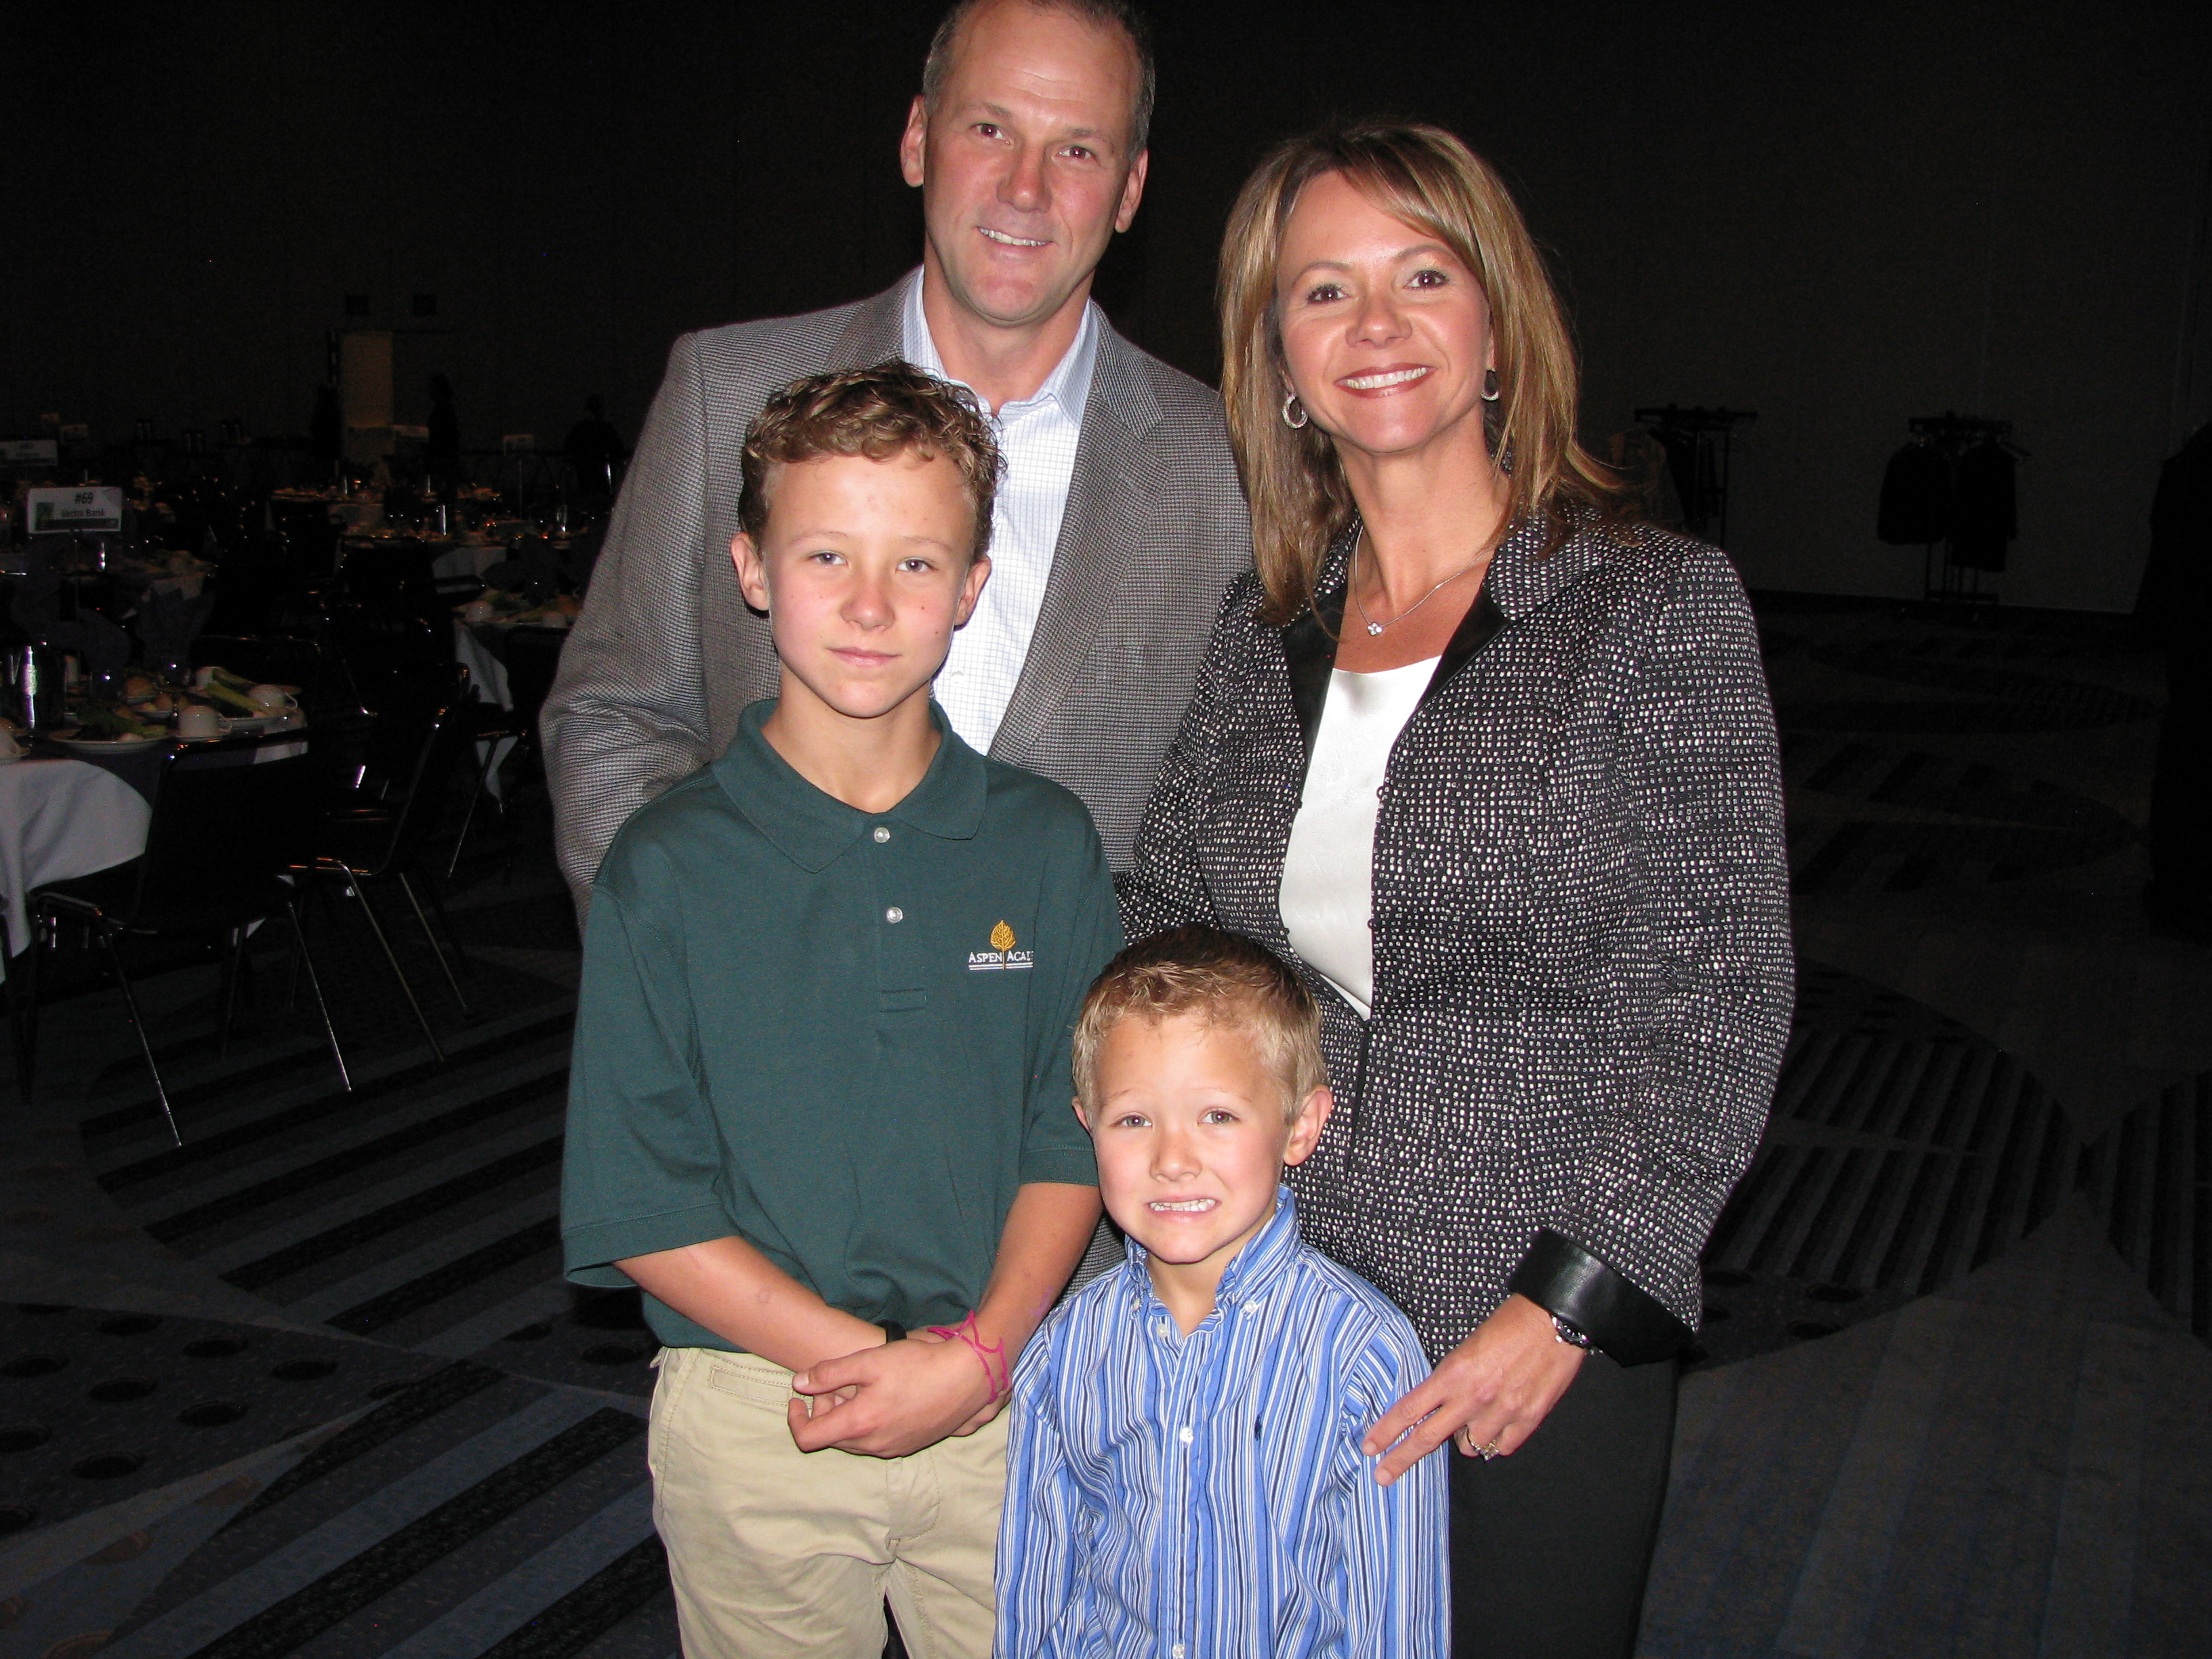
[1000, 1381]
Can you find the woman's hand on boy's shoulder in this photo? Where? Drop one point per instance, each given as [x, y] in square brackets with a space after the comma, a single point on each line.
[891, 1399]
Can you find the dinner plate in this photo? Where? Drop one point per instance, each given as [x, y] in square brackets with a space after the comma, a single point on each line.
[112, 745]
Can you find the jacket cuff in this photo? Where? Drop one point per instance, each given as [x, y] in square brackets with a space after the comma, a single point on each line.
[1626, 1324]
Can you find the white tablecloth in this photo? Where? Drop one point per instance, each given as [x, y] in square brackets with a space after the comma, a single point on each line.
[486, 672]
[60, 818]
[465, 559]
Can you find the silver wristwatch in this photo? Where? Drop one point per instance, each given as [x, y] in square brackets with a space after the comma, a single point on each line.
[1573, 1336]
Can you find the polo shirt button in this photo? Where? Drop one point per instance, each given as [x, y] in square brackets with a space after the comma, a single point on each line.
[882, 834]
[894, 914]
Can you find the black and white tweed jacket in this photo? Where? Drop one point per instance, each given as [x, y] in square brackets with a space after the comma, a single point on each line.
[666, 654]
[1582, 965]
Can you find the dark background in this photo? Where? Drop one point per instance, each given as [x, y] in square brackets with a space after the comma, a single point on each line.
[1838, 215]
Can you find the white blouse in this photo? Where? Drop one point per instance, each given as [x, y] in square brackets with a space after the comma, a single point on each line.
[1328, 873]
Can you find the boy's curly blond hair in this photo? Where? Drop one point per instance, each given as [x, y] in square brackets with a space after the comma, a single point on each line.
[890, 409]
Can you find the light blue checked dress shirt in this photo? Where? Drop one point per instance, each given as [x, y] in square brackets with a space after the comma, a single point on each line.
[1206, 1496]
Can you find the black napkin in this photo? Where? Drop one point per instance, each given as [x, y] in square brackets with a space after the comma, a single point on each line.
[105, 646]
[168, 623]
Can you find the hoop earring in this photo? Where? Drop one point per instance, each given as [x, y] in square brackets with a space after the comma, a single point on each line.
[1289, 397]
[1490, 385]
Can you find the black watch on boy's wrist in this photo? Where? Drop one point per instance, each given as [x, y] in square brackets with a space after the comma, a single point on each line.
[892, 1330]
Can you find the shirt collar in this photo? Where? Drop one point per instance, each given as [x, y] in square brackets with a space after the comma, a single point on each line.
[1068, 385]
[811, 828]
[1254, 1267]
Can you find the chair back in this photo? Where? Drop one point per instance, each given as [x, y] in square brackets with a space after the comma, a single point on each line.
[385, 655]
[226, 822]
[446, 738]
[254, 583]
[391, 578]
[407, 715]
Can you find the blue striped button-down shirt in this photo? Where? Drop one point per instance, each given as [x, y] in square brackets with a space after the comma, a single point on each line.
[1205, 1497]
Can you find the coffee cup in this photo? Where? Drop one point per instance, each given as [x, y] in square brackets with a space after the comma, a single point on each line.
[198, 720]
[272, 699]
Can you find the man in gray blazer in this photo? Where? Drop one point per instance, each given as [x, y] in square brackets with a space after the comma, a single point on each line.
[1118, 525]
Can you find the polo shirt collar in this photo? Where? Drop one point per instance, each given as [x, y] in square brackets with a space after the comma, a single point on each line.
[812, 828]
[1254, 1267]
[1069, 385]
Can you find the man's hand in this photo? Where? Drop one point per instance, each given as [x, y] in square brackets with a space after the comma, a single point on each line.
[1490, 1393]
[893, 1399]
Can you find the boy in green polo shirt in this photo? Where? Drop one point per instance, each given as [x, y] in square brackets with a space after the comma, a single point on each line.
[818, 1108]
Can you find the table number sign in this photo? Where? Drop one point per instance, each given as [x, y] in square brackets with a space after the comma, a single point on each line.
[58, 512]
[519, 443]
[29, 452]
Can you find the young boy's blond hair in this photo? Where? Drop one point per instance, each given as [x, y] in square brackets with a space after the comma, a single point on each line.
[1224, 980]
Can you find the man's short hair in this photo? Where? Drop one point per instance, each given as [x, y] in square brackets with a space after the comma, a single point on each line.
[893, 408]
[1223, 978]
[1099, 14]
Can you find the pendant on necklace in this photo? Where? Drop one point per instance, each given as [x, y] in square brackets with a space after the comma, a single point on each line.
[1373, 628]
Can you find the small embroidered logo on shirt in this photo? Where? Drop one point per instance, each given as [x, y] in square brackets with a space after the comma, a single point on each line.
[1001, 957]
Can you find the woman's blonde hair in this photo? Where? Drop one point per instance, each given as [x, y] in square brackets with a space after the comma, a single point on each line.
[1427, 177]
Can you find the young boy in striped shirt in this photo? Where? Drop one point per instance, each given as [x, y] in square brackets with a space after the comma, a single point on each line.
[1185, 1475]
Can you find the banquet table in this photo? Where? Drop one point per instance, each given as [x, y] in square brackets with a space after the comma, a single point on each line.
[63, 818]
[59, 819]
[347, 512]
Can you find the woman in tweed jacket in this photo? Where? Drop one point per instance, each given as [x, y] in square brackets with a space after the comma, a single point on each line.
[1553, 944]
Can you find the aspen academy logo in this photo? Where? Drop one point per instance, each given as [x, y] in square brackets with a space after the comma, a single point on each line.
[1002, 958]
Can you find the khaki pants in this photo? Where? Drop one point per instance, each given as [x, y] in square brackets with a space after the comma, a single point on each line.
[775, 1551]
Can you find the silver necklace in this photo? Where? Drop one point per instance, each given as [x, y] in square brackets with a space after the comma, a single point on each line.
[1374, 627]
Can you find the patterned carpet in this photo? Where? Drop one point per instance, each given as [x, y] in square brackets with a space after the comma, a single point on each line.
[433, 1446]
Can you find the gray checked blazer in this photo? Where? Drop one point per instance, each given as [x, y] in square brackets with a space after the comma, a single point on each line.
[666, 653]
[1583, 966]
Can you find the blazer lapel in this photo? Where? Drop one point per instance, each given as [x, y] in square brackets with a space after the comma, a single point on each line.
[1476, 630]
[1309, 641]
[1310, 654]
[876, 331]
[1117, 475]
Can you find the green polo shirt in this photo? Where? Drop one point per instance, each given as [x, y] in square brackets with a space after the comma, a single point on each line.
[840, 1036]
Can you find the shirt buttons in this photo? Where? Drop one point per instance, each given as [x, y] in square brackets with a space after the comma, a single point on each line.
[894, 914]
[882, 834]
[1176, 1652]
[1184, 1434]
